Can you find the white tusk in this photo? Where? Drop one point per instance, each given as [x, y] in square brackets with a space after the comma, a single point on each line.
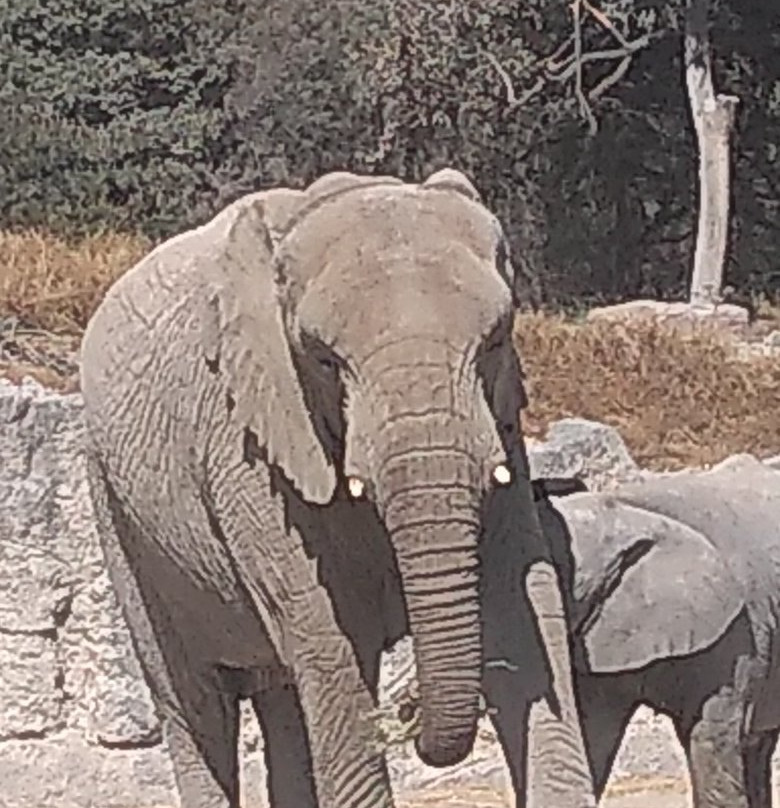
[502, 475]
[356, 487]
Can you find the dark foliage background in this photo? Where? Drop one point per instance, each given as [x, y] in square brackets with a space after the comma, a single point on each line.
[150, 116]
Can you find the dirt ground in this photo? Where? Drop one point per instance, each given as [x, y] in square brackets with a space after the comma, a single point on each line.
[664, 794]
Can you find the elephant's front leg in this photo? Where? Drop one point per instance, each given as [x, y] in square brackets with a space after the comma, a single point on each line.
[370, 609]
[199, 721]
[288, 763]
[271, 561]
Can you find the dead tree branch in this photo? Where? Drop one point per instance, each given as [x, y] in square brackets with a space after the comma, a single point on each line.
[513, 100]
[569, 59]
[576, 8]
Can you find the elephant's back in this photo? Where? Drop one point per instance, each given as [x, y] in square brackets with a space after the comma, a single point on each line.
[736, 506]
[131, 318]
[732, 511]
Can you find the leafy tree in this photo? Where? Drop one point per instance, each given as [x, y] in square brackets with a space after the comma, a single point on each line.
[114, 113]
[155, 115]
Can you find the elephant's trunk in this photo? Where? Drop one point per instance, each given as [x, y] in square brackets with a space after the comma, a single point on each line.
[430, 498]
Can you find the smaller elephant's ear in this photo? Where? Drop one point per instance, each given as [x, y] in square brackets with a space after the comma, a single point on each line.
[672, 593]
[453, 180]
[246, 342]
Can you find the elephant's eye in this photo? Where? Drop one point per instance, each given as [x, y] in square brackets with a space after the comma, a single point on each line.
[329, 364]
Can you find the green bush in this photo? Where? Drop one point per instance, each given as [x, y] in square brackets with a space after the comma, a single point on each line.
[151, 116]
[114, 113]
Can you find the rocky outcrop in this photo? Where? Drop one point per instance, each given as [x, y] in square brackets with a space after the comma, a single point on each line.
[723, 315]
[575, 447]
[77, 726]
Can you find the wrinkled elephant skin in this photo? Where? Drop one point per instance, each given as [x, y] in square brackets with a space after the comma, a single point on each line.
[294, 414]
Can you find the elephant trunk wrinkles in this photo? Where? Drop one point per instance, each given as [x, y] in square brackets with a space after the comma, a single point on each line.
[430, 500]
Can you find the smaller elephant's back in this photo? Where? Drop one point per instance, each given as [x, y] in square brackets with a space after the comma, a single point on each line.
[736, 507]
[736, 504]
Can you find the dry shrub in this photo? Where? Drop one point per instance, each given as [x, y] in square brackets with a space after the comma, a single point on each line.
[678, 398]
[53, 283]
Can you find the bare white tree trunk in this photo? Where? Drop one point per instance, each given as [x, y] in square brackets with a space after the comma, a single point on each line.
[713, 119]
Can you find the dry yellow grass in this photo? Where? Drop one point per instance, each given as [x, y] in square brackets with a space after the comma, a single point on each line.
[55, 283]
[677, 399]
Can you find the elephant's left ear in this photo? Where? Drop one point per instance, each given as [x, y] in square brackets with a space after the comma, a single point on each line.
[246, 343]
[678, 597]
[450, 179]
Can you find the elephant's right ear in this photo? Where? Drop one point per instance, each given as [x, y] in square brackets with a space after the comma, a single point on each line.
[665, 590]
[246, 342]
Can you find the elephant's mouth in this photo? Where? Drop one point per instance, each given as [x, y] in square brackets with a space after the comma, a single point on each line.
[409, 708]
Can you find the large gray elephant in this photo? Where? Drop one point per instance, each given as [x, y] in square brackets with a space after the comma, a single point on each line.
[672, 589]
[303, 442]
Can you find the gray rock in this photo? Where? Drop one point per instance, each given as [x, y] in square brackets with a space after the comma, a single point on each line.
[587, 449]
[79, 724]
[36, 582]
[772, 339]
[30, 686]
[722, 315]
[40, 431]
[52, 573]
[103, 674]
[64, 771]
[773, 462]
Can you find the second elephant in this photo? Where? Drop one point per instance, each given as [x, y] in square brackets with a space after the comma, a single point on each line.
[673, 595]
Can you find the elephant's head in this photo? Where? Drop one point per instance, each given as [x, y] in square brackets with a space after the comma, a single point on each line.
[389, 369]
[649, 568]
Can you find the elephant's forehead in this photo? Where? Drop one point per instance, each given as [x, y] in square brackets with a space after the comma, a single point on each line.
[403, 296]
[389, 219]
[401, 262]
